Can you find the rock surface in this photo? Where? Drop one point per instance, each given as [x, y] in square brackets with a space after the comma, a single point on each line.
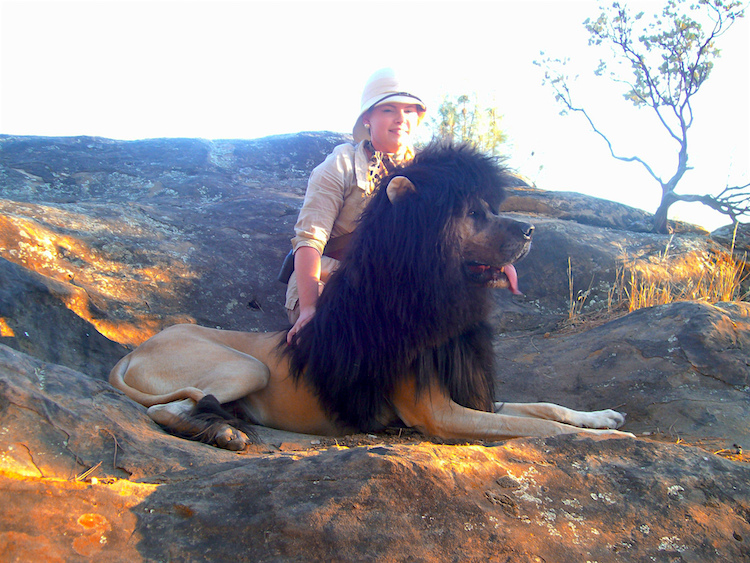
[104, 482]
[681, 369]
[103, 243]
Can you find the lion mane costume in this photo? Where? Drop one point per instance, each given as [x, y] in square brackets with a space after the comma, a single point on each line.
[403, 300]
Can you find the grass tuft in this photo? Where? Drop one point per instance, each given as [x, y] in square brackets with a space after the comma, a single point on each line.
[658, 280]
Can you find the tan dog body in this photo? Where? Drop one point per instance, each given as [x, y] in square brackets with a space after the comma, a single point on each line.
[176, 368]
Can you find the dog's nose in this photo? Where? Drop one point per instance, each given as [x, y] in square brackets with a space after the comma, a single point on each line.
[527, 229]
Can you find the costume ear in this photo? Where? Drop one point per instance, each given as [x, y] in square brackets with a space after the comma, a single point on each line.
[398, 187]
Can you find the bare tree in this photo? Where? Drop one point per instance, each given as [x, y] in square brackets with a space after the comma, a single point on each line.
[670, 57]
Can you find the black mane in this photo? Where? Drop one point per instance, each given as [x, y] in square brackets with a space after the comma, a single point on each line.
[399, 303]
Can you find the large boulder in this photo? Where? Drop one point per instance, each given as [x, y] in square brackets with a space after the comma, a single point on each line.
[149, 233]
[88, 475]
[680, 370]
[104, 243]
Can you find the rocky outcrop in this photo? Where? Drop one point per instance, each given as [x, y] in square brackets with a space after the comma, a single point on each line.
[90, 476]
[681, 370]
[103, 243]
[46, 328]
[146, 234]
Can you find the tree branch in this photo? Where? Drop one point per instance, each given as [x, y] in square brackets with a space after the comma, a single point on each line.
[732, 201]
[611, 148]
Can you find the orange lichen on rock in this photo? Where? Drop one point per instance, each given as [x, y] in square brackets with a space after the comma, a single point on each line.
[94, 539]
[79, 519]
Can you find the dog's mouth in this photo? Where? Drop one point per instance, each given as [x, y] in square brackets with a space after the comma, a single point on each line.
[504, 277]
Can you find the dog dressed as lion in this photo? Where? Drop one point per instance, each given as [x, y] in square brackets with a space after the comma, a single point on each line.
[399, 336]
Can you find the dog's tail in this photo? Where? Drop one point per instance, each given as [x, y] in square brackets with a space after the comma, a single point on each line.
[117, 380]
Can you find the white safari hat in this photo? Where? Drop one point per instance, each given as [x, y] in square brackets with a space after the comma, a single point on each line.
[382, 87]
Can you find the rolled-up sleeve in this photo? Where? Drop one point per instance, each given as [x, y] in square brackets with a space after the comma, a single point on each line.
[328, 187]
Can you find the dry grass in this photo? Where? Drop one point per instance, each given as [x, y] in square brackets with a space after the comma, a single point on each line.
[578, 300]
[663, 279]
[666, 279]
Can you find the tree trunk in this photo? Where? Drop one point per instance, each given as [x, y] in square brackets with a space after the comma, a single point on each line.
[660, 219]
[660, 224]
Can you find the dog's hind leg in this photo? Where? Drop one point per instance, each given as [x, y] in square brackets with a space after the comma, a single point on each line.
[549, 411]
[233, 376]
[205, 421]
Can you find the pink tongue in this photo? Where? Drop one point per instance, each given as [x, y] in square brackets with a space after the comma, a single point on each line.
[510, 271]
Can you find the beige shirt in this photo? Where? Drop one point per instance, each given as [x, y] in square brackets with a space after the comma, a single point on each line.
[336, 195]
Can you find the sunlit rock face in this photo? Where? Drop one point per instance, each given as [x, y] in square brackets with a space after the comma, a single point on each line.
[112, 486]
[148, 233]
[103, 243]
[35, 318]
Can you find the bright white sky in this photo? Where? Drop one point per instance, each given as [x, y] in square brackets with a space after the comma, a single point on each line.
[245, 69]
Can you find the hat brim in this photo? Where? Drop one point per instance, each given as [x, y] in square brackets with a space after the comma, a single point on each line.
[400, 98]
[360, 132]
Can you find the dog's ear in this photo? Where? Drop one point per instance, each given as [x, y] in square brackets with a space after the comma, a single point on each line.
[398, 187]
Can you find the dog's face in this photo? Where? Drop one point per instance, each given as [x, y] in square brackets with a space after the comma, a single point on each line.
[490, 244]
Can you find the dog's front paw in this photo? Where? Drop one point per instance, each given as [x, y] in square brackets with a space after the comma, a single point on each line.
[603, 419]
